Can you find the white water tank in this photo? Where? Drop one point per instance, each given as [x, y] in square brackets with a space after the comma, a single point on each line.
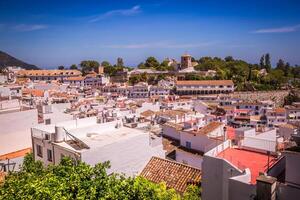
[60, 134]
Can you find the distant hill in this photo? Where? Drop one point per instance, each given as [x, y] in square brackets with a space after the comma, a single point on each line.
[8, 60]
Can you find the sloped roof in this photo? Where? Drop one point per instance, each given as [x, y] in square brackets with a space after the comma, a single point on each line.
[49, 72]
[208, 128]
[75, 78]
[147, 113]
[33, 92]
[15, 154]
[178, 127]
[205, 82]
[279, 110]
[176, 175]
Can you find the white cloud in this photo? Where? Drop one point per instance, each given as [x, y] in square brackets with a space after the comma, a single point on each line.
[158, 45]
[286, 29]
[122, 12]
[29, 27]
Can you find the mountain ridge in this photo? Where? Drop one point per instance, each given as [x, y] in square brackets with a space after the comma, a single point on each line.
[8, 60]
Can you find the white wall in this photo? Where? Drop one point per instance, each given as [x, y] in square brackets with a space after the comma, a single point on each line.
[215, 178]
[215, 174]
[148, 106]
[292, 167]
[239, 189]
[170, 132]
[4, 91]
[58, 114]
[189, 158]
[200, 107]
[45, 145]
[198, 142]
[286, 132]
[15, 130]
[59, 152]
[10, 104]
[262, 142]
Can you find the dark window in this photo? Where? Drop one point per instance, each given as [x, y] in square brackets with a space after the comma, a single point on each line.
[47, 137]
[39, 150]
[49, 155]
[188, 145]
[48, 121]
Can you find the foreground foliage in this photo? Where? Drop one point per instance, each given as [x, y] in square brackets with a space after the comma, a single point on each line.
[82, 181]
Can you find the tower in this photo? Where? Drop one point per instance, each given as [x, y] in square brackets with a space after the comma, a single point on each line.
[186, 61]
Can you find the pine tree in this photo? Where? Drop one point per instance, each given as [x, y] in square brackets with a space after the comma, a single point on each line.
[262, 62]
[268, 62]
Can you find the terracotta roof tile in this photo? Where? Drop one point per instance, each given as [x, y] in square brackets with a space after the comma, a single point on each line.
[76, 78]
[279, 110]
[291, 126]
[48, 72]
[208, 128]
[205, 82]
[33, 92]
[15, 154]
[175, 175]
[148, 113]
[178, 127]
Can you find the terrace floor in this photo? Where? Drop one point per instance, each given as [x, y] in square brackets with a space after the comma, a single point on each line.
[242, 159]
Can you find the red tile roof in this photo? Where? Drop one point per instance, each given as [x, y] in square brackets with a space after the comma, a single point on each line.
[242, 159]
[147, 113]
[76, 78]
[33, 92]
[49, 72]
[175, 175]
[15, 154]
[208, 128]
[205, 82]
[279, 110]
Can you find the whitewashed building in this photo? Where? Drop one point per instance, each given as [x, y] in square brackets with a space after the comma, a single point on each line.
[127, 149]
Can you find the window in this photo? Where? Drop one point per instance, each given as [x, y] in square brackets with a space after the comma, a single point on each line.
[49, 155]
[47, 137]
[188, 145]
[39, 150]
[48, 121]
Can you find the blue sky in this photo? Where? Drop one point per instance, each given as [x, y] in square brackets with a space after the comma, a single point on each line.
[52, 33]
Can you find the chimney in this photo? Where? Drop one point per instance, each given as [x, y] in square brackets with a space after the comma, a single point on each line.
[266, 187]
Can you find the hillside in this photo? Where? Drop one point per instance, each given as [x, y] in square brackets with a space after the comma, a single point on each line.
[8, 60]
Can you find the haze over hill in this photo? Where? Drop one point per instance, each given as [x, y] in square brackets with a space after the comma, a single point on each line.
[8, 60]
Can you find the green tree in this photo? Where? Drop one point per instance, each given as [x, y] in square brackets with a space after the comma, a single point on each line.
[141, 66]
[228, 59]
[89, 65]
[73, 66]
[165, 67]
[268, 62]
[287, 69]
[262, 62]
[105, 64]
[77, 180]
[151, 62]
[192, 77]
[280, 64]
[250, 73]
[61, 67]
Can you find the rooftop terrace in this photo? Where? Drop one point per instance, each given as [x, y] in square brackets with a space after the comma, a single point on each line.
[242, 159]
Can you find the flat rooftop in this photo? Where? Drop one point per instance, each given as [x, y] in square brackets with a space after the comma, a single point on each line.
[242, 159]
